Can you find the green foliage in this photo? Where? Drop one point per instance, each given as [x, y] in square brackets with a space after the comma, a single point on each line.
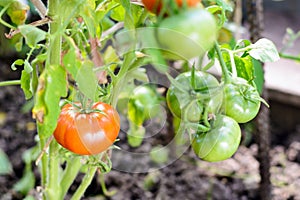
[5, 165]
[32, 35]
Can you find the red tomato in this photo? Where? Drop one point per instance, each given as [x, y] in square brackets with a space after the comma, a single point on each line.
[87, 133]
[156, 5]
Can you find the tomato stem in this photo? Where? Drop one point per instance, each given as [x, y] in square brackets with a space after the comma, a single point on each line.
[291, 57]
[86, 181]
[4, 22]
[8, 83]
[69, 175]
[225, 72]
[53, 188]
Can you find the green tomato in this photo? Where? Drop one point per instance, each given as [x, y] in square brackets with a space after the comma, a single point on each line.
[204, 81]
[220, 142]
[241, 100]
[143, 104]
[188, 34]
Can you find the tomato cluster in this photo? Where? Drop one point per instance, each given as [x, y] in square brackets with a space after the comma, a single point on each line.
[87, 132]
[213, 111]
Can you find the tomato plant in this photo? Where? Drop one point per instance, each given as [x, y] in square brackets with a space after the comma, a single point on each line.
[241, 100]
[203, 85]
[220, 142]
[188, 34]
[155, 6]
[81, 52]
[87, 132]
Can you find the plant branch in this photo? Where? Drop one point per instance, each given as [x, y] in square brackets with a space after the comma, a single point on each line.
[70, 173]
[41, 22]
[2, 21]
[113, 29]
[222, 63]
[8, 83]
[291, 57]
[40, 7]
[53, 188]
[86, 181]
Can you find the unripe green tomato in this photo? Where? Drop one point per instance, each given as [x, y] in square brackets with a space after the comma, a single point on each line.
[143, 104]
[188, 34]
[220, 142]
[207, 83]
[241, 101]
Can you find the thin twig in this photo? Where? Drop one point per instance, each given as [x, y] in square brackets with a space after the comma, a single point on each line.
[44, 150]
[40, 7]
[41, 22]
[113, 29]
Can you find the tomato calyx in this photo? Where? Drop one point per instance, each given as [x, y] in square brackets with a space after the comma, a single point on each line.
[247, 90]
[84, 108]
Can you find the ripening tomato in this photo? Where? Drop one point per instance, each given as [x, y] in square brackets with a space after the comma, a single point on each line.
[188, 34]
[87, 133]
[155, 6]
[220, 142]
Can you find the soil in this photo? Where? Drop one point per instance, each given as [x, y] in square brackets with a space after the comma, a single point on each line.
[185, 177]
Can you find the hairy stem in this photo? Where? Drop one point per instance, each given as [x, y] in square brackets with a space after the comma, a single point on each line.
[69, 175]
[222, 63]
[86, 181]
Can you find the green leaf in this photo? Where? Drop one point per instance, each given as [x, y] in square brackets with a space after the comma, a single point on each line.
[5, 2]
[136, 113]
[17, 11]
[118, 13]
[26, 84]
[87, 81]
[226, 58]
[89, 18]
[5, 165]
[29, 197]
[135, 135]
[26, 183]
[18, 62]
[71, 63]
[52, 86]
[138, 74]
[159, 154]
[244, 67]
[129, 19]
[110, 56]
[27, 66]
[225, 5]
[258, 75]
[264, 50]
[222, 7]
[32, 35]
